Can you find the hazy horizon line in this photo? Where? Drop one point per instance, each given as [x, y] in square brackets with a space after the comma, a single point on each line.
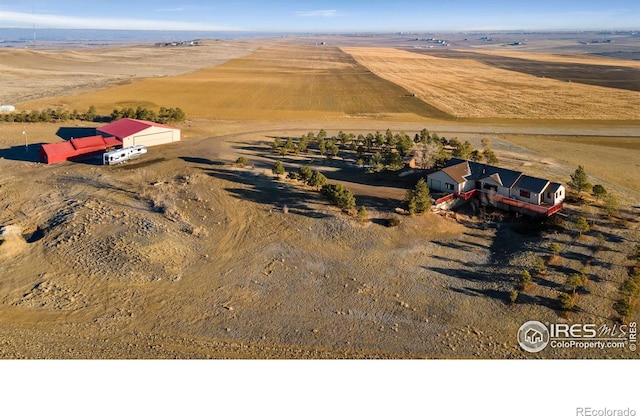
[339, 32]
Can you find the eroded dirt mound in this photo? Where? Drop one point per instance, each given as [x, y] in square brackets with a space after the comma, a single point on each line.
[100, 239]
[11, 241]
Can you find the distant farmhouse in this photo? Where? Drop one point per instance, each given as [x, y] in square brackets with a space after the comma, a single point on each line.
[505, 188]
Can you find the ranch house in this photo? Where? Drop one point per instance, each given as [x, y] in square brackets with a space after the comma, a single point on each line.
[508, 189]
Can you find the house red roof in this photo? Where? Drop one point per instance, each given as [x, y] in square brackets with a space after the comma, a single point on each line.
[59, 152]
[126, 127]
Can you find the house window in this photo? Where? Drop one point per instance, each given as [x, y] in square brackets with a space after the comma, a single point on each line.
[449, 186]
[525, 194]
[490, 187]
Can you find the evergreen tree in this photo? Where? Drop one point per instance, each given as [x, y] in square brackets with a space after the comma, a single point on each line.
[611, 204]
[490, 156]
[418, 200]
[567, 302]
[575, 281]
[579, 181]
[306, 173]
[598, 191]
[278, 168]
[582, 225]
[276, 144]
[525, 279]
[317, 179]
[555, 248]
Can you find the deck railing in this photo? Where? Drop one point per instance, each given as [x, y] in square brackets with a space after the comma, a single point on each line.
[538, 209]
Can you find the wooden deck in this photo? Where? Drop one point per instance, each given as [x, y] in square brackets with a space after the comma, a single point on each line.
[524, 207]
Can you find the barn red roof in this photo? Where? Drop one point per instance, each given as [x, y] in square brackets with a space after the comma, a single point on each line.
[126, 127]
[92, 142]
[57, 152]
[84, 146]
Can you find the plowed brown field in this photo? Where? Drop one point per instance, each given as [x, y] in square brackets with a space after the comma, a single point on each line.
[470, 89]
[277, 82]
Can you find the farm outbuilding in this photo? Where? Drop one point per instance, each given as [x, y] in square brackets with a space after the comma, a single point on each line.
[140, 133]
[77, 148]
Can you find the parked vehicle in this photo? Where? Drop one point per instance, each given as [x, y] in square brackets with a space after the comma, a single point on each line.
[122, 155]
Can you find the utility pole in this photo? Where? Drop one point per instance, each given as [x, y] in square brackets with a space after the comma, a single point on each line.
[26, 145]
[33, 12]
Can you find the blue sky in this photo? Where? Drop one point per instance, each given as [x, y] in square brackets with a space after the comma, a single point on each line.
[322, 16]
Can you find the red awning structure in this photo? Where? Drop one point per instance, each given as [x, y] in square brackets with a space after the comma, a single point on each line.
[76, 148]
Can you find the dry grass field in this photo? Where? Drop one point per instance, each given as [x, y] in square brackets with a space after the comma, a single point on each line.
[611, 159]
[589, 70]
[469, 89]
[33, 74]
[564, 58]
[277, 82]
[182, 254]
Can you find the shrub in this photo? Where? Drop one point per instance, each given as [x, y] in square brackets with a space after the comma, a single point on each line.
[582, 225]
[340, 196]
[525, 280]
[278, 168]
[611, 205]
[513, 296]
[242, 161]
[363, 215]
[393, 222]
[624, 307]
[567, 302]
[555, 248]
[635, 254]
[539, 266]
[276, 144]
[630, 287]
[575, 281]
[598, 191]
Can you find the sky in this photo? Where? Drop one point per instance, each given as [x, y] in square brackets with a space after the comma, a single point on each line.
[328, 16]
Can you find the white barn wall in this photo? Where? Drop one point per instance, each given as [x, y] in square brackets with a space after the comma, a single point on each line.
[152, 136]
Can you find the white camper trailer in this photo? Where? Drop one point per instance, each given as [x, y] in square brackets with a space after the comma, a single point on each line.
[122, 155]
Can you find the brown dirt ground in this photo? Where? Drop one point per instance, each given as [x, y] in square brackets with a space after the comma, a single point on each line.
[181, 254]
